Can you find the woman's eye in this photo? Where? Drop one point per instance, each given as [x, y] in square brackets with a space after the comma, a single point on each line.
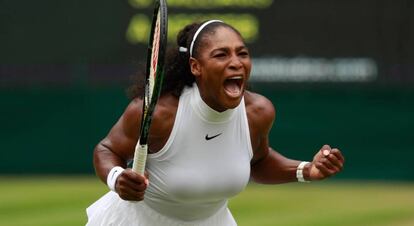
[220, 55]
[244, 53]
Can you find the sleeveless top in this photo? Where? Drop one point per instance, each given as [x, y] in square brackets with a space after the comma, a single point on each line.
[205, 161]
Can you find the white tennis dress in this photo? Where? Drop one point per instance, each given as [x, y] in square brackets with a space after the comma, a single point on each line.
[205, 161]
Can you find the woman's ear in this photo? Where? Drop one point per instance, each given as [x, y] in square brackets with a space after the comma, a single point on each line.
[195, 67]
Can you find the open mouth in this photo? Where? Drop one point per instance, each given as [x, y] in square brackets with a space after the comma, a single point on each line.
[234, 86]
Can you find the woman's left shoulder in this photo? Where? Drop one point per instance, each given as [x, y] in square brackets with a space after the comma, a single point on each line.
[259, 108]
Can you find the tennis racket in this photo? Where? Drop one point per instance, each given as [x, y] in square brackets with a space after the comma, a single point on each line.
[157, 45]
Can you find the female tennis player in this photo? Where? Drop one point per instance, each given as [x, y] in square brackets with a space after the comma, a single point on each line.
[208, 138]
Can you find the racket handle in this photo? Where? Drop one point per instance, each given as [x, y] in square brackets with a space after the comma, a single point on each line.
[140, 157]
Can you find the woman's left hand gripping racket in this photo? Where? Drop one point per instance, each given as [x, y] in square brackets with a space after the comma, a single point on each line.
[153, 81]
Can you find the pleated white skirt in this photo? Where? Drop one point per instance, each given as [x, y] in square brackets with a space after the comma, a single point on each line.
[111, 210]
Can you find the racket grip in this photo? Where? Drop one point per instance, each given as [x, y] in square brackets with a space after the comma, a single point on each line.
[140, 158]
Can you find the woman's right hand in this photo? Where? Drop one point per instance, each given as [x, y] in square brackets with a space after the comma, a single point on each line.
[131, 186]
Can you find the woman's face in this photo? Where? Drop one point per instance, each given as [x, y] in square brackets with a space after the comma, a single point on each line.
[222, 68]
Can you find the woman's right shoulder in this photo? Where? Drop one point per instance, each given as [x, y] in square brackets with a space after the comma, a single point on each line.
[133, 109]
[166, 105]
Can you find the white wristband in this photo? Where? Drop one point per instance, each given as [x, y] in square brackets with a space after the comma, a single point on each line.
[299, 172]
[113, 176]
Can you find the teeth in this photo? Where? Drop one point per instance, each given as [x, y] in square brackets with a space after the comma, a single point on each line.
[236, 77]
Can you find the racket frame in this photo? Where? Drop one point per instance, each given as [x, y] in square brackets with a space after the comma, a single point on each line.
[151, 95]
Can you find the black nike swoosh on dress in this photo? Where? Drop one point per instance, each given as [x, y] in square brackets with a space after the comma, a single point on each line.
[209, 138]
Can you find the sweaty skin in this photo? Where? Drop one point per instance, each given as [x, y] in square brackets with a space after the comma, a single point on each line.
[221, 70]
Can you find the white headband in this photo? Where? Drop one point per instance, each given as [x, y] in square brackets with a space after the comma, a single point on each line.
[198, 32]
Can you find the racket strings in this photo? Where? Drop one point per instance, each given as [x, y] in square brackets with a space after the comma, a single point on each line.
[150, 84]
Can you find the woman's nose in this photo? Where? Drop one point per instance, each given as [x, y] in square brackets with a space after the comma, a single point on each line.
[235, 63]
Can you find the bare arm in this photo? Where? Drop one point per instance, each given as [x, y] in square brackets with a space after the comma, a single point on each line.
[274, 168]
[267, 166]
[117, 148]
[270, 167]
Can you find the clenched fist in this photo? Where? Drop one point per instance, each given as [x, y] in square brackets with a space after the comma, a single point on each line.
[131, 186]
[327, 162]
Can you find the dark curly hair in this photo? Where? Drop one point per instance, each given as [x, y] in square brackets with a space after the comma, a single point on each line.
[177, 68]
